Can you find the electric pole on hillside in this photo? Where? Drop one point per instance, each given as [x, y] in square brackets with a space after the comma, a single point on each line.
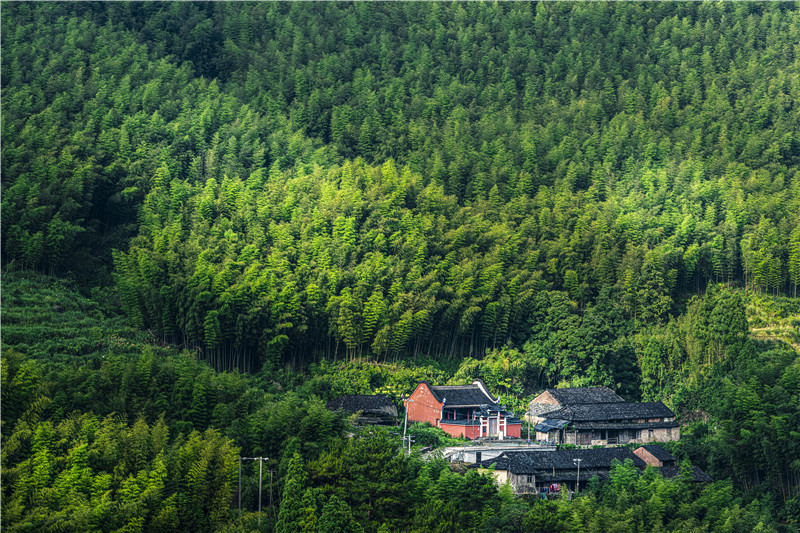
[260, 473]
[405, 425]
[578, 477]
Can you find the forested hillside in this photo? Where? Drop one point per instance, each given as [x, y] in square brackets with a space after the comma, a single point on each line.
[105, 428]
[255, 207]
[505, 151]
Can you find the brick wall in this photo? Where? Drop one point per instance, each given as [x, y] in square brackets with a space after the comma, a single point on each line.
[423, 407]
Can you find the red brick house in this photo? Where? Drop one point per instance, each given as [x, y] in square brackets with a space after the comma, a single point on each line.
[467, 411]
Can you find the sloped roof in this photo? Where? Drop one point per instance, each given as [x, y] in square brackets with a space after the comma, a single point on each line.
[658, 452]
[570, 396]
[623, 425]
[611, 411]
[362, 402]
[549, 425]
[545, 462]
[471, 395]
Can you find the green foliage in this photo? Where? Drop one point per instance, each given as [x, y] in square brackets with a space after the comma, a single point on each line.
[300, 194]
[93, 473]
[127, 457]
[341, 198]
[336, 517]
[644, 501]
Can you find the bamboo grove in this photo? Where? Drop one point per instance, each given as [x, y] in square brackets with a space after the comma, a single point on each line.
[106, 428]
[540, 157]
[217, 216]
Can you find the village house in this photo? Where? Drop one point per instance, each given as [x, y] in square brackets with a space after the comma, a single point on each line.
[656, 456]
[371, 409]
[541, 471]
[466, 411]
[553, 399]
[606, 424]
[547, 471]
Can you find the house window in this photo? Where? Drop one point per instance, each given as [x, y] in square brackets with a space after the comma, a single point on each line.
[669, 432]
[650, 434]
[530, 480]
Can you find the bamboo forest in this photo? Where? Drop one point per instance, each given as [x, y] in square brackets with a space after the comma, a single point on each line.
[218, 217]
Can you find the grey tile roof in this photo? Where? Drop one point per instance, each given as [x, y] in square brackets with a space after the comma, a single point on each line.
[659, 453]
[462, 395]
[611, 411]
[624, 425]
[585, 395]
[544, 462]
[363, 402]
[549, 425]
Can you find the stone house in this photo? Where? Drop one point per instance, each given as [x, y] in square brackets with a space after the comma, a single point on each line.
[543, 471]
[539, 471]
[553, 399]
[606, 424]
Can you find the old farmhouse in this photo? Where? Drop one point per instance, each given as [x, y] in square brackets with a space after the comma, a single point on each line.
[609, 423]
[467, 411]
[543, 471]
[552, 399]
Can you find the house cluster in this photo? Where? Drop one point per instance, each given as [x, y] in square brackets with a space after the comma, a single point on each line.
[587, 416]
[550, 471]
[596, 416]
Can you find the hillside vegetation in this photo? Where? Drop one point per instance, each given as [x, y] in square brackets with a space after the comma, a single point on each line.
[218, 216]
[503, 151]
[106, 428]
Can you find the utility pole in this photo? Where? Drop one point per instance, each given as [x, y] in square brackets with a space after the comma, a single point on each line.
[578, 478]
[405, 425]
[260, 468]
[528, 413]
[410, 440]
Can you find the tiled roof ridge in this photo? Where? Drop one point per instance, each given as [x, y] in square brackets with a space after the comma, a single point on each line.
[360, 402]
[580, 388]
[469, 394]
[610, 411]
[595, 394]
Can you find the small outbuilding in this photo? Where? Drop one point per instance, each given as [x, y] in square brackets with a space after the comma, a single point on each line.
[656, 456]
[371, 409]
